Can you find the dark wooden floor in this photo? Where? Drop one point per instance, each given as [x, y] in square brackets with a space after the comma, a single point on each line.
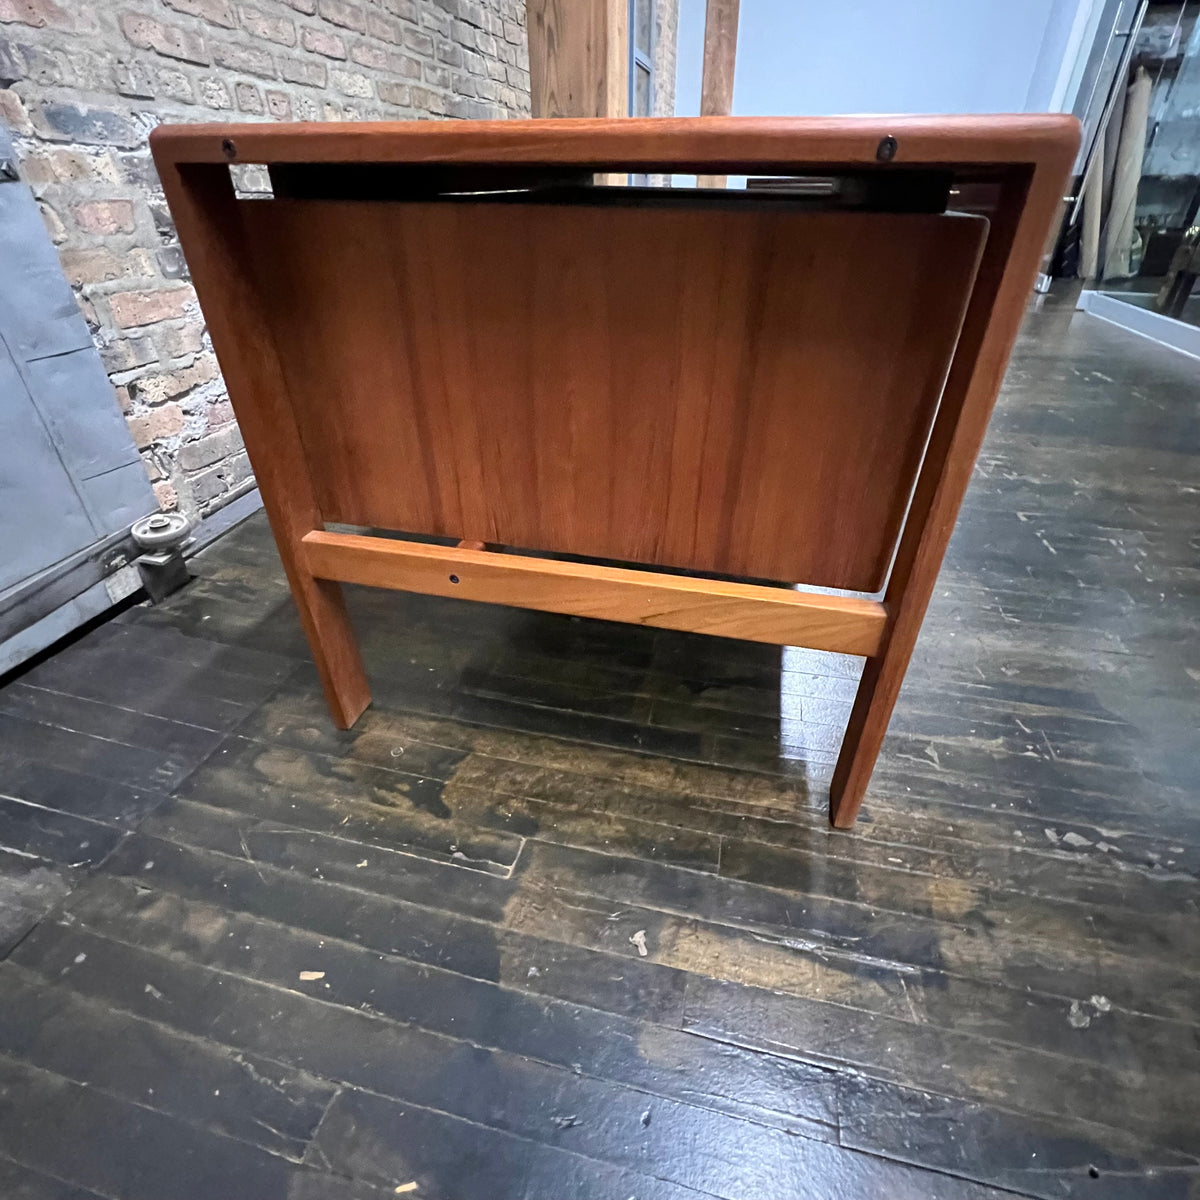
[247, 956]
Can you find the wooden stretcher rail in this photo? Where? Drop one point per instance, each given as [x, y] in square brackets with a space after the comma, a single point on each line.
[752, 612]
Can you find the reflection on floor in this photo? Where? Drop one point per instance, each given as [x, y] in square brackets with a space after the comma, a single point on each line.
[247, 956]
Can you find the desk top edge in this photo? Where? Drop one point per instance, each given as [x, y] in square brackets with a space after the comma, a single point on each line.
[1039, 139]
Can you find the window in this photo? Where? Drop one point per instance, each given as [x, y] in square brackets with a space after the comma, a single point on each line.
[641, 58]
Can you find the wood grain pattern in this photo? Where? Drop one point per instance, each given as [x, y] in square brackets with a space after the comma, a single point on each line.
[753, 613]
[716, 78]
[730, 390]
[683, 388]
[578, 63]
[206, 214]
[720, 57]
[717, 145]
[1025, 210]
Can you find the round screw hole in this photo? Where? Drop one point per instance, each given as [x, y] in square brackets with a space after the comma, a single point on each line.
[1093, 1173]
[453, 578]
[228, 148]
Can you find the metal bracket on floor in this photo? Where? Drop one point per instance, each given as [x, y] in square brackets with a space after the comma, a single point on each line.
[162, 538]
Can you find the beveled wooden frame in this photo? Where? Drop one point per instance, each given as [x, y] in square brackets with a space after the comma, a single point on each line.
[1020, 163]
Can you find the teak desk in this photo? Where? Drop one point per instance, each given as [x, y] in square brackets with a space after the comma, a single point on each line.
[454, 331]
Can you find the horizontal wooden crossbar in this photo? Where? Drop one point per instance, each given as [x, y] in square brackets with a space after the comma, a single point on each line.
[844, 624]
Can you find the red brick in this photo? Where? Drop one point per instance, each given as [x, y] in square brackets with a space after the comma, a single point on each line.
[383, 28]
[154, 389]
[148, 34]
[279, 105]
[127, 353]
[103, 266]
[12, 112]
[244, 58]
[272, 29]
[219, 413]
[214, 93]
[215, 12]
[249, 98]
[394, 93]
[144, 308]
[156, 424]
[214, 482]
[319, 41]
[211, 448]
[351, 83]
[37, 13]
[54, 226]
[70, 166]
[175, 341]
[302, 70]
[339, 12]
[369, 56]
[166, 496]
[403, 64]
[422, 43]
[104, 217]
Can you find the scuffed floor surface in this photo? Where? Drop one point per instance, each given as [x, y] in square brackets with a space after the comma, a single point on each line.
[247, 957]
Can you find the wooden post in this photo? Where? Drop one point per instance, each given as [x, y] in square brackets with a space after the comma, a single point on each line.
[205, 210]
[578, 57]
[720, 55]
[1006, 274]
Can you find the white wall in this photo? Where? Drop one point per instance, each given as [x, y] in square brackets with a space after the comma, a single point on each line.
[813, 57]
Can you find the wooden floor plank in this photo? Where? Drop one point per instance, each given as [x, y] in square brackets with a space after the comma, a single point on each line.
[376, 1138]
[18, 1182]
[54, 836]
[849, 1024]
[50, 1124]
[246, 1098]
[332, 1032]
[1046, 1159]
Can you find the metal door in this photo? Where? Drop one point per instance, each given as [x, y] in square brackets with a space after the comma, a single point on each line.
[71, 482]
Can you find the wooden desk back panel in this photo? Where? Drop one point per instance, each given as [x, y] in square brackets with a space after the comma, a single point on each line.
[744, 391]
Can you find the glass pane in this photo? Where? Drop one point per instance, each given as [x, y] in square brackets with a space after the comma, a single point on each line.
[643, 24]
[641, 91]
[1148, 251]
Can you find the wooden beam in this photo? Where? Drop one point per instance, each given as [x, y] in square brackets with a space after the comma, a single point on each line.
[720, 55]
[578, 57]
[752, 612]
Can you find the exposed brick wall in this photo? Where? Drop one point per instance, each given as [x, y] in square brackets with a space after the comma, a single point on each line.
[82, 82]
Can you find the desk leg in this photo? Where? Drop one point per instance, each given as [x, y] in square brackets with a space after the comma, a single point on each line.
[864, 736]
[207, 216]
[322, 609]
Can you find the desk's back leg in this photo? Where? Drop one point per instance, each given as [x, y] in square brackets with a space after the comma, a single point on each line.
[331, 639]
[206, 213]
[873, 704]
[1024, 211]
